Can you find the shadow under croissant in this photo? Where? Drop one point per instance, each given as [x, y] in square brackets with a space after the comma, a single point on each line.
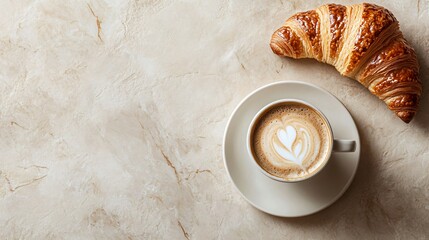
[362, 210]
[421, 120]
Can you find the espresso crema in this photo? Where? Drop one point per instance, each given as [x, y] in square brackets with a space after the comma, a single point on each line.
[291, 141]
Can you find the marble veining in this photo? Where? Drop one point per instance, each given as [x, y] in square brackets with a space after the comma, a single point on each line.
[112, 116]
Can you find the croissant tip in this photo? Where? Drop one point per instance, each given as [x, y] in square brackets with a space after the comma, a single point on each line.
[405, 116]
[276, 49]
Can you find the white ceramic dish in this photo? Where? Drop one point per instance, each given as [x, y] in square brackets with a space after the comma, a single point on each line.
[290, 199]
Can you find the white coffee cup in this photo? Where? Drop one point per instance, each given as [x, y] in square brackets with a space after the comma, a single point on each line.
[335, 145]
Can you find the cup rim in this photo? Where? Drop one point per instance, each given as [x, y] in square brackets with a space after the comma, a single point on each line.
[263, 110]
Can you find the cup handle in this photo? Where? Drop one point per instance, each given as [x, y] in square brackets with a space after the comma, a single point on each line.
[344, 145]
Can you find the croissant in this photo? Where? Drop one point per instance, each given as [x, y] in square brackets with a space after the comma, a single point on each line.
[361, 41]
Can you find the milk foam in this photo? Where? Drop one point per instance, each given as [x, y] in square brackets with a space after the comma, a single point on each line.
[291, 141]
[296, 144]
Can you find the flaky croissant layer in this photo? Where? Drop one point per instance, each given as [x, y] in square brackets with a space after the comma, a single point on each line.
[363, 42]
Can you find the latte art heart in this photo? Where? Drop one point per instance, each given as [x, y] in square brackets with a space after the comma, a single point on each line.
[293, 149]
[294, 143]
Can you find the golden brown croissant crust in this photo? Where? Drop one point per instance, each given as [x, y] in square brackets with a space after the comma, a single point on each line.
[363, 42]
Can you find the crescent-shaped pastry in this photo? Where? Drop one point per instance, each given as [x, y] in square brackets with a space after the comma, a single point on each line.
[362, 42]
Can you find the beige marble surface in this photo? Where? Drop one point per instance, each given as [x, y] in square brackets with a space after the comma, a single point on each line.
[112, 115]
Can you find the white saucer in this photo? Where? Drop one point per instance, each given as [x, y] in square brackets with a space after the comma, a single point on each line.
[290, 199]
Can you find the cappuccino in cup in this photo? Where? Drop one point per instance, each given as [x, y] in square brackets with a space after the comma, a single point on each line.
[289, 140]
